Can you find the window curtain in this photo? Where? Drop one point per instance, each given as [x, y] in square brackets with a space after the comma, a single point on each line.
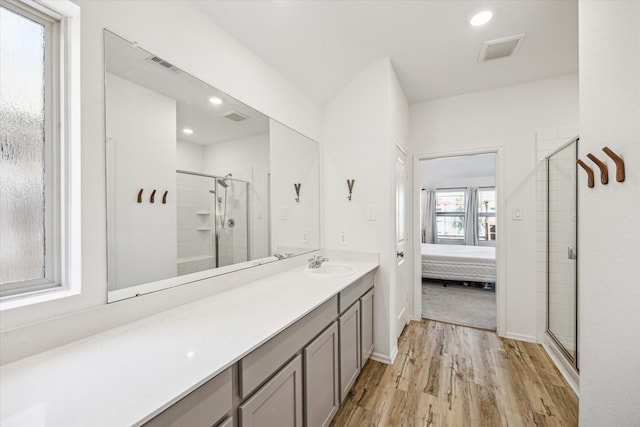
[471, 217]
[429, 226]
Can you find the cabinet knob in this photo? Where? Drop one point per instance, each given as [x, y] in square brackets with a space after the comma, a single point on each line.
[401, 254]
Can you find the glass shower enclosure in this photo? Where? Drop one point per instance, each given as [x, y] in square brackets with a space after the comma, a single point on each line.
[562, 223]
[213, 221]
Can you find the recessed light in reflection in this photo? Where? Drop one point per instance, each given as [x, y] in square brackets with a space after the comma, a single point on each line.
[481, 18]
[191, 354]
[187, 131]
[215, 100]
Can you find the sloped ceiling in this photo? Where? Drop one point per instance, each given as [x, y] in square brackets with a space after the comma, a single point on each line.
[320, 45]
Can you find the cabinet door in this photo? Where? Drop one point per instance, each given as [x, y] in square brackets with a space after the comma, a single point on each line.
[279, 402]
[202, 407]
[366, 314]
[349, 349]
[228, 422]
[321, 378]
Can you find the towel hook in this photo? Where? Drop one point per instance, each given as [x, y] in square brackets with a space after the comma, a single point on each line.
[619, 163]
[604, 170]
[590, 179]
[350, 183]
[153, 196]
[164, 197]
[140, 195]
[297, 187]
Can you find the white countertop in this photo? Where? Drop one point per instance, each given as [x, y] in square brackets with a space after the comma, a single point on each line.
[127, 375]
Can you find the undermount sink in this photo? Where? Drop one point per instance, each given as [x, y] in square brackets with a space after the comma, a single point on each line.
[332, 270]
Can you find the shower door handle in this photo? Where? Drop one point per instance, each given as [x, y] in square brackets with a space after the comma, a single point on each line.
[572, 253]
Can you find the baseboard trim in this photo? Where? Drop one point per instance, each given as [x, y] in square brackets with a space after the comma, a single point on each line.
[568, 372]
[383, 358]
[521, 337]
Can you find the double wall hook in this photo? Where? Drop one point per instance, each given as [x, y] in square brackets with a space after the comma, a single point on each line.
[297, 187]
[350, 183]
[604, 170]
[619, 163]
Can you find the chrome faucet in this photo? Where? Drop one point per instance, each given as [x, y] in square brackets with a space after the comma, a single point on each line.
[279, 256]
[316, 261]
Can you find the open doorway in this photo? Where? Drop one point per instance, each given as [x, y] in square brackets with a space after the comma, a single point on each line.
[458, 235]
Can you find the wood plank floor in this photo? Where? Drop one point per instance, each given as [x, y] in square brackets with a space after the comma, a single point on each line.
[449, 375]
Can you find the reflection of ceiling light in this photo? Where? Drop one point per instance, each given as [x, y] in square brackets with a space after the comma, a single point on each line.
[187, 131]
[481, 18]
[215, 101]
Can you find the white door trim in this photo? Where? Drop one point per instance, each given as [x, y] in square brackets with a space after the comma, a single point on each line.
[501, 294]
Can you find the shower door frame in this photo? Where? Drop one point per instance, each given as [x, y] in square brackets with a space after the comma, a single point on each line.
[215, 228]
[573, 360]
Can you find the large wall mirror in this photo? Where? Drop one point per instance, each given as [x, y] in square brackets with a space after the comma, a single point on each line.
[198, 183]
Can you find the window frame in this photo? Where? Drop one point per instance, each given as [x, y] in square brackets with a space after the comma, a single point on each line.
[451, 214]
[63, 257]
[463, 212]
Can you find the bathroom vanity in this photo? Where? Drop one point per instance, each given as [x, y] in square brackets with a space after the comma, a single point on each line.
[280, 351]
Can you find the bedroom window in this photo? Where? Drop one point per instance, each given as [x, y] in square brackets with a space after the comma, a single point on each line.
[487, 214]
[450, 214]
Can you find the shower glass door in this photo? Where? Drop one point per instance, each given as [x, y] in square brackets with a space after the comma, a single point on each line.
[213, 221]
[562, 250]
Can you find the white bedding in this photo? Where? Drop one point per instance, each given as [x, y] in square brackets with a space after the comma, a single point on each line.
[459, 262]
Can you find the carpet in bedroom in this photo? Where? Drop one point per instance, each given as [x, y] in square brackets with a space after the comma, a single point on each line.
[459, 304]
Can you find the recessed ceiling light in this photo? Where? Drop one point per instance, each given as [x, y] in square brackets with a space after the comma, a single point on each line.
[481, 18]
[215, 101]
[187, 131]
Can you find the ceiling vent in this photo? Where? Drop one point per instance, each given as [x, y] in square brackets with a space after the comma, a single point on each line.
[235, 116]
[164, 64]
[500, 48]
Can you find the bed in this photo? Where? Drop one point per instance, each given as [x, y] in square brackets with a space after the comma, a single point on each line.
[459, 262]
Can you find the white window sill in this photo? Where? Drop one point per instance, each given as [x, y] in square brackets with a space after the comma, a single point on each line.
[37, 297]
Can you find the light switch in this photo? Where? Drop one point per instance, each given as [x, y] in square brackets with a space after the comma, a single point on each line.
[517, 214]
[305, 236]
[283, 213]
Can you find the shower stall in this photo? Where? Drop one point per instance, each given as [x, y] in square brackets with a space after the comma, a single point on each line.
[213, 221]
[562, 254]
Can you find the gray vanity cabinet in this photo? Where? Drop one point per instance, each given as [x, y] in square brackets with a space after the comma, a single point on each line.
[321, 386]
[279, 402]
[350, 357]
[366, 315]
[228, 422]
[201, 408]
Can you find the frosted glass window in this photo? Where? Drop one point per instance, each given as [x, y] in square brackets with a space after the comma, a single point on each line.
[22, 147]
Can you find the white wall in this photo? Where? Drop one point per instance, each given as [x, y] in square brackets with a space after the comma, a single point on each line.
[609, 230]
[361, 127]
[189, 156]
[179, 33]
[142, 147]
[506, 117]
[294, 159]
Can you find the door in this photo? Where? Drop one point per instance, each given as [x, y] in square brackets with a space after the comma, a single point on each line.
[562, 250]
[279, 402]
[321, 383]
[402, 285]
[349, 323]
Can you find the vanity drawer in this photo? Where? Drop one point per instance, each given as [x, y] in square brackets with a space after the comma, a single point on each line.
[354, 291]
[261, 363]
[202, 407]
